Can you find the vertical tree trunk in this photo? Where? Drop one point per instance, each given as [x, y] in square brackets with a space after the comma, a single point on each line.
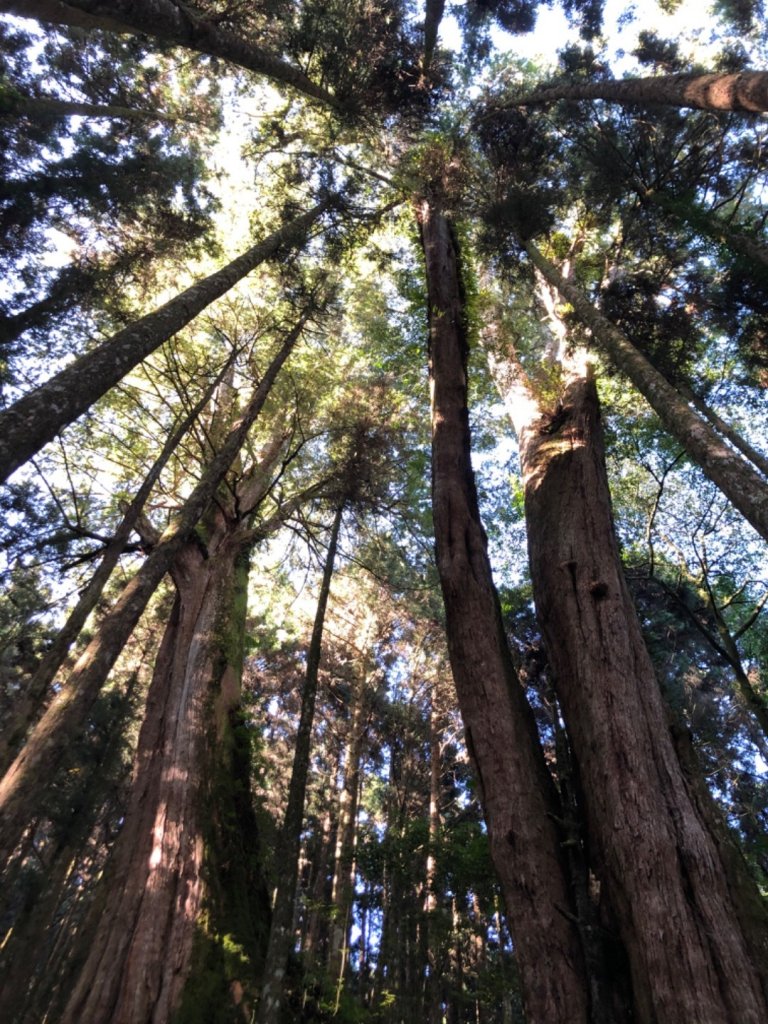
[343, 887]
[517, 793]
[165, 898]
[281, 931]
[689, 957]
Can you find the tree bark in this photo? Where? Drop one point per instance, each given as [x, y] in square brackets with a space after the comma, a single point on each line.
[516, 790]
[67, 712]
[280, 934]
[739, 481]
[742, 90]
[15, 103]
[178, 820]
[173, 23]
[689, 957]
[37, 417]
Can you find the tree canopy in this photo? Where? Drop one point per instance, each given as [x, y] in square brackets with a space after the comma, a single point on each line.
[385, 498]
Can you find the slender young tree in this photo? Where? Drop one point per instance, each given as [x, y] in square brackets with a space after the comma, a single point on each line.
[281, 935]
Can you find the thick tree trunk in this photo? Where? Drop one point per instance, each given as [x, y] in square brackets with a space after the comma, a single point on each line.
[37, 417]
[178, 829]
[517, 793]
[742, 90]
[281, 931]
[67, 712]
[176, 24]
[689, 956]
[738, 480]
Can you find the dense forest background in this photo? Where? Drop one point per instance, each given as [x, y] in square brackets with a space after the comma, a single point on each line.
[383, 435]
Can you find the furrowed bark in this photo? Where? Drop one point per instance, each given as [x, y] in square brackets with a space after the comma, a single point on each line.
[739, 482]
[281, 932]
[35, 690]
[40, 756]
[743, 90]
[36, 418]
[174, 23]
[668, 878]
[517, 793]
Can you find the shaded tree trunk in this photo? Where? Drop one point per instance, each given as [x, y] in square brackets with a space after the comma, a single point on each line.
[182, 876]
[36, 418]
[517, 793]
[741, 90]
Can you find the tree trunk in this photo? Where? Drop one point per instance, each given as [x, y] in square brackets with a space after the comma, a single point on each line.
[281, 931]
[742, 90]
[173, 23]
[689, 957]
[516, 790]
[68, 711]
[343, 887]
[37, 417]
[179, 849]
[15, 103]
[737, 479]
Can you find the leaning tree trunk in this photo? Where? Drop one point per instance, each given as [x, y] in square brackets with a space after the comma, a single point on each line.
[35, 690]
[173, 23]
[680, 921]
[739, 481]
[181, 878]
[289, 846]
[517, 793]
[36, 418]
[740, 90]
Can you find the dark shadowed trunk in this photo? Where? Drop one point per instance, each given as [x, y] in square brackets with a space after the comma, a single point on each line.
[517, 793]
[173, 23]
[182, 879]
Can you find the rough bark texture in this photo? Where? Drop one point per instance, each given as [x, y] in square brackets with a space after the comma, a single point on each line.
[37, 417]
[689, 957]
[151, 918]
[743, 90]
[281, 932]
[516, 791]
[68, 711]
[177, 24]
[737, 479]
